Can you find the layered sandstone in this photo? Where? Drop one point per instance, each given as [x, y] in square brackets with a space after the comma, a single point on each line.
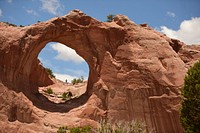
[135, 72]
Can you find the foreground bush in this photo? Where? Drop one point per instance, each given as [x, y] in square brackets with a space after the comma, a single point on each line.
[190, 110]
[122, 127]
[85, 129]
[62, 129]
[105, 127]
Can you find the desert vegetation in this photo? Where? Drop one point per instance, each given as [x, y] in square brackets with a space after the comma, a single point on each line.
[106, 127]
[50, 72]
[10, 24]
[65, 129]
[77, 80]
[66, 95]
[110, 17]
[48, 91]
[190, 111]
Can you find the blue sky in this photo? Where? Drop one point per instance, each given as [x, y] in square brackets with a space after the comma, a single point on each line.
[176, 18]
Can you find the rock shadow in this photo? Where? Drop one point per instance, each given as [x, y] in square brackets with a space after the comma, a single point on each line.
[44, 103]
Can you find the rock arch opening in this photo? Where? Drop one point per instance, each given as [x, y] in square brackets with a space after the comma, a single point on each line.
[67, 70]
[92, 40]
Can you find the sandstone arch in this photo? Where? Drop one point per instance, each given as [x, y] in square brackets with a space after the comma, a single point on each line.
[135, 72]
[74, 30]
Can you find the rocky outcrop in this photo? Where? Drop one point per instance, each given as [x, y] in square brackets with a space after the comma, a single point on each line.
[135, 72]
[190, 54]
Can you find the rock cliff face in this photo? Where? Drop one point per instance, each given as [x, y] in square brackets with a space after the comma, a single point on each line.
[135, 72]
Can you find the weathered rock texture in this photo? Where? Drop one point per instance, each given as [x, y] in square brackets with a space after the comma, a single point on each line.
[135, 72]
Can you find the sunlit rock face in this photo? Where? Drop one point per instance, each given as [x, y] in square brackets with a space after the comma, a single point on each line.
[135, 72]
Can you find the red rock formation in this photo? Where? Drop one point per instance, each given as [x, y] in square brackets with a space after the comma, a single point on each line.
[190, 54]
[135, 72]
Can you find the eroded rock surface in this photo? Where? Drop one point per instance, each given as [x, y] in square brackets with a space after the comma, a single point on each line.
[135, 73]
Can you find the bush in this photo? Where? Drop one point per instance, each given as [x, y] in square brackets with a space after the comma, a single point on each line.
[77, 80]
[190, 110]
[73, 81]
[85, 129]
[66, 95]
[110, 18]
[50, 73]
[10, 24]
[49, 91]
[122, 127]
[106, 127]
[62, 129]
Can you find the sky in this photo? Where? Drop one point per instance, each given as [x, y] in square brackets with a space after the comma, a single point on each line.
[178, 19]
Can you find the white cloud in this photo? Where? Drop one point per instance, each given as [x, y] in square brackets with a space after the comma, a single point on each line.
[1, 13]
[189, 31]
[171, 14]
[32, 12]
[9, 1]
[51, 6]
[66, 54]
[63, 77]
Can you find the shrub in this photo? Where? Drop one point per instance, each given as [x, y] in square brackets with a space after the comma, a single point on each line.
[110, 17]
[74, 81]
[85, 129]
[62, 129]
[190, 110]
[77, 80]
[66, 95]
[10, 24]
[106, 127]
[49, 91]
[50, 73]
[122, 127]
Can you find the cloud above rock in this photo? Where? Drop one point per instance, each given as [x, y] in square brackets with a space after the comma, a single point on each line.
[51, 6]
[188, 32]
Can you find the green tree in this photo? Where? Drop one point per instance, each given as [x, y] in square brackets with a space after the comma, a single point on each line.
[77, 80]
[190, 110]
[74, 81]
[50, 72]
[110, 17]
